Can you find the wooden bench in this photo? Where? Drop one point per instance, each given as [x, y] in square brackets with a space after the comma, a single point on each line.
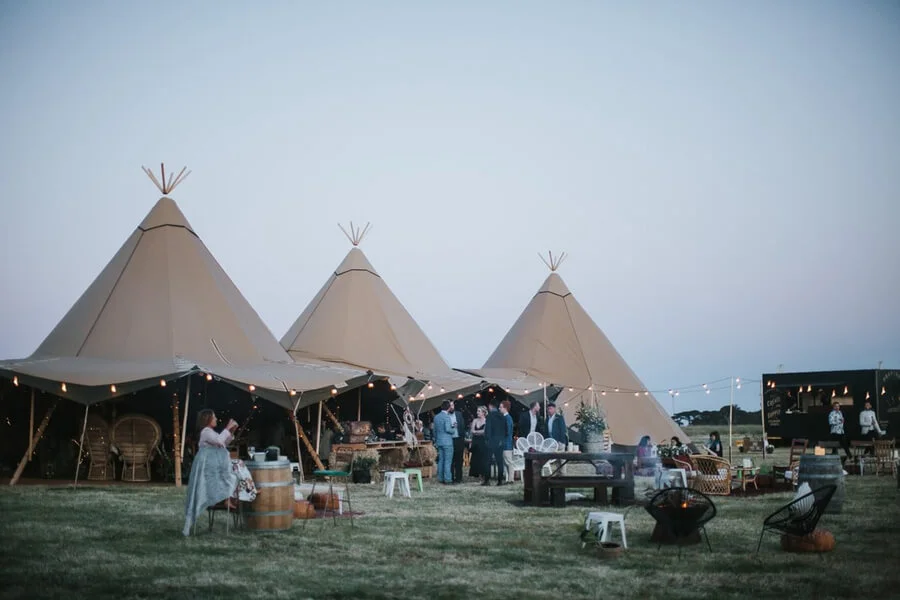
[623, 489]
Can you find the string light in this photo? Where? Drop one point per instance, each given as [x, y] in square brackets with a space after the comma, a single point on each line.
[393, 387]
[833, 394]
[251, 387]
[16, 380]
[334, 391]
[809, 388]
[845, 390]
[491, 390]
[371, 385]
[442, 390]
[459, 396]
[430, 387]
[162, 383]
[526, 391]
[867, 395]
[646, 393]
[209, 376]
[883, 392]
[293, 393]
[112, 388]
[64, 388]
[603, 393]
[571, 390]
[637, 393]
[708, 391]
[478, 395]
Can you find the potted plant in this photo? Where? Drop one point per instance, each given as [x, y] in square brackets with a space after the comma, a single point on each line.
[591, 423]
[363, 463]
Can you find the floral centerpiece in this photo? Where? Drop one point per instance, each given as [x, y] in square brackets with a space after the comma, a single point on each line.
[591, 421]
[669, 451]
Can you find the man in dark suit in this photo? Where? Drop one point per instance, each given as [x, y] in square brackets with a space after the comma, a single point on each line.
[530, 421]
[495, 435]
[556, 426]
[459, 443]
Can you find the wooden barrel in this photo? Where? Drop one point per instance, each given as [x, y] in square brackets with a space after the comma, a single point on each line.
[818, 471]
[273, 509]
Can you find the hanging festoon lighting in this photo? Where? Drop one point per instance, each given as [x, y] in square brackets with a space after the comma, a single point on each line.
[63, 387]
[112, 388]
[809, 388]
[846, 390]
[478, 394]
[209, 376]
[491, 390]
[833, 394]
[867, 395]
[251, 387]
[393, 387]
[883, 392]
[293, 392]
[334, 391]
[16, 380]
[162, 383]
[370, 385]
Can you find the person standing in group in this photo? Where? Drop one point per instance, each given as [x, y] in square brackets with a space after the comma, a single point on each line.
[508, 442]
[444, 424]
[459, 442]
[836, 425]
[556, 426]
[868, 425]
[480, 463]
[495, 434]
[530, 422]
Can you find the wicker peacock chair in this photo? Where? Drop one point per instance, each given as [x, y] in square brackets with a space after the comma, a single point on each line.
[136, 437]
[99, 441]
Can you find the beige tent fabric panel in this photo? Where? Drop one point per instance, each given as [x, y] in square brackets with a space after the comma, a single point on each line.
[555, 339]
[70, 333]
[543, 340]
[355, 319]
[166, 212]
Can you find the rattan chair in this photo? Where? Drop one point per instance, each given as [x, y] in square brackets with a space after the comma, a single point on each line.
[800, 516]
[884, 457]
[712, 475]
[136, 437]
[102, 465]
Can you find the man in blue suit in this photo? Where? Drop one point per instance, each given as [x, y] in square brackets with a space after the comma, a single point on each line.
[496, 430]
[556, 426]
[444, 425]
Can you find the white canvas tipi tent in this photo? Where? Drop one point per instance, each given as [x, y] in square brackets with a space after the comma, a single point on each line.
[556, 340]
[164, 307]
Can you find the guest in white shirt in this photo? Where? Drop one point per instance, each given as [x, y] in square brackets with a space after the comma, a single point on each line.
[868, 424]
[206, 421]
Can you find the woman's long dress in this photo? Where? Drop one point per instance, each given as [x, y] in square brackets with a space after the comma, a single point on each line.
[478, 466]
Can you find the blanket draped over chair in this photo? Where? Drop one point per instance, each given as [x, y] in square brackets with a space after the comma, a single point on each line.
[212, 481]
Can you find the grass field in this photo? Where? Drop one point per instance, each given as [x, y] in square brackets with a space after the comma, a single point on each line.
[448, 542]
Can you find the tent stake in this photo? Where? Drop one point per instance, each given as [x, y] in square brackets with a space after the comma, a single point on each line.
[81, 445]
[31, 447]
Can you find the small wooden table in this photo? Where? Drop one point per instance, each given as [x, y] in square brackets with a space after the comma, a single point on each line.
[745, 475]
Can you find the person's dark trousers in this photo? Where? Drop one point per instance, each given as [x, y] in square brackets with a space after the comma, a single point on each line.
[459, 447]
[844, 442]
[870, 437]
[494, 453]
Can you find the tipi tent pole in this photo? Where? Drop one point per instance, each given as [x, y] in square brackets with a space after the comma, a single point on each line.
[81, 445]
[731, 419]
[359, 404]
[762, 411]
[31, 447]
[319, 428]
[31, 424]
[187, 405]
[544, 385]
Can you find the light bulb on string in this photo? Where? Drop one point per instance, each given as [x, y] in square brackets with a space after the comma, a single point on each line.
[603, 393]
[526, 391]
[677, 393]
[571, 390]
[845, 390]
[491, 390]
[112, 388]
[867, 395]
[646, 393]
[430, 387]
[251, 387]
[478, 394]
[883, 392]
[370, 385]
[16, 380]
[833, 394]
[393, 387]
[64, 388]
[209, 376]
[617, 390]
[809, 388]
[442, 390]
[293, 392]
[707, 391]
[162, 383]
[459, 396]
[637, 394]
[705, 386]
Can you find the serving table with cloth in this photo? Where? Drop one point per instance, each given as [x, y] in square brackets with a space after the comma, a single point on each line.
[607, 470]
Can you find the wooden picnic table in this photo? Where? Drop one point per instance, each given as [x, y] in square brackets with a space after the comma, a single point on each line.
[550, 489]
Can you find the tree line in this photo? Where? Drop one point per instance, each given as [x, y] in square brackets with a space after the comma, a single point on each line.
[717, 417]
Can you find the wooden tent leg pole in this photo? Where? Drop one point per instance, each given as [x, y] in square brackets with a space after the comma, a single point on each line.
[176, 442]
[33, 445]
[187, 406]
[81, 445]
[310, 449]
[319, 427]
[332, 418]
[31, 424]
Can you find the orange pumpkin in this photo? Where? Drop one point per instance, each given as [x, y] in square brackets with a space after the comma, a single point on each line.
[325, 501]
[304, 510]
[820, 540]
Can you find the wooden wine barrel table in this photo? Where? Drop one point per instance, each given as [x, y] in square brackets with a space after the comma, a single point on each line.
[818, 471]
[273, 509]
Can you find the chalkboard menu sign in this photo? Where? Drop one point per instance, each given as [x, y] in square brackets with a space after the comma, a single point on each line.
[773, 408]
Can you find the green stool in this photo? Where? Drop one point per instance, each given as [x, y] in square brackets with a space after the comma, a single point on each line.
[330, 476]
[418, 474]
